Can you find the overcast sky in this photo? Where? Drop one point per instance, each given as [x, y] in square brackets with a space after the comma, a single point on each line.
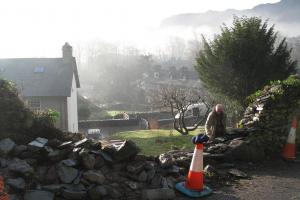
[38, 28]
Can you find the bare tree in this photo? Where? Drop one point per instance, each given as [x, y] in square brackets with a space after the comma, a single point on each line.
[178, 101]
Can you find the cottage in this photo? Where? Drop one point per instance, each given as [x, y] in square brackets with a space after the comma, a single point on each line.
[47, 83]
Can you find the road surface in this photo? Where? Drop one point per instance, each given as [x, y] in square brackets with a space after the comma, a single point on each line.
[272, 181]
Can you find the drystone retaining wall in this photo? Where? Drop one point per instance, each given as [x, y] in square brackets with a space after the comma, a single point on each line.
[270, 114]
[86, 169]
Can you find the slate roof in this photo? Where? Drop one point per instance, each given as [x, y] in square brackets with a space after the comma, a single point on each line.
[40, 76]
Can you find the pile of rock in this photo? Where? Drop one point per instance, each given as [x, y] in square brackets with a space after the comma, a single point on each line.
[50, 169]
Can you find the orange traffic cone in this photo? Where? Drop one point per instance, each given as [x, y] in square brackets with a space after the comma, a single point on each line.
[195, 176]
[289, 149]
[194, 187]
[3, 195]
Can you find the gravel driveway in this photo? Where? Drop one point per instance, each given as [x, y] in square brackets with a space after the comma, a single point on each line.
[272, 181]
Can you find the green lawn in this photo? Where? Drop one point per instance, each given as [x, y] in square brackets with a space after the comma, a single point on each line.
[155, 142]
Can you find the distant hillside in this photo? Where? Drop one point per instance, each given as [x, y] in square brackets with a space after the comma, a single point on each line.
[284, 14]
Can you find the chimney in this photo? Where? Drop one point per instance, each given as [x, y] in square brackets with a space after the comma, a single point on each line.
[67, 52]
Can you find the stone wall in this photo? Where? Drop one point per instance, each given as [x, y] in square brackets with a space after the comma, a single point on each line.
[92, 170]
[269, 114]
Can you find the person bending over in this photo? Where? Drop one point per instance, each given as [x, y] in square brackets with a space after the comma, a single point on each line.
[215, 125]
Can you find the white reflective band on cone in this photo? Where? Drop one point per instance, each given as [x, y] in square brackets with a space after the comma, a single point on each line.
[292, 136]
[197, 161]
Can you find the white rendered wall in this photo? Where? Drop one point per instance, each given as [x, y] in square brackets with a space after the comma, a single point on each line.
[72, 108]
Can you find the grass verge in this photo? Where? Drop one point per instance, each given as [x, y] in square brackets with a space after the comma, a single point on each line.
[155, 142]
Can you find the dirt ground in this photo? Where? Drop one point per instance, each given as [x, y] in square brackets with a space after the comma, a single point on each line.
[277, 180]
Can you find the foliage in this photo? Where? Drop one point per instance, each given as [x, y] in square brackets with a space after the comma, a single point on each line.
[100, 115]
[46, 118]
[22, 125]
[13, 116]
[155, 142]
[88, 110]
[54, 115]
[243, 58]
[84, 112]
[278, 89]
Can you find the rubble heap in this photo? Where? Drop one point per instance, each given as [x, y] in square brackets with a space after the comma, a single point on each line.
[86, 169]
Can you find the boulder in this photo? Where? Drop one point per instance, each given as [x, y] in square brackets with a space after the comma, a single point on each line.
[150, 175]
[67, 174]
[38, 195]
[65, 145]
[3, 162]
[6, 146]
[135, 167]
[96, 192]
[52, 175]
[20, 166]
[17, 183]
[55, 188]
[210, 172]
[57, 155]
[87, 159]
[19, 149]
[113, 191]
[156, 181]
[28, 154]
[171, 181]
[237, 173]
[94, 177]
[174, 169]
[80, 143]
[165, 160]
[132, 185]
[74, 194]
[142, 177]
[245, 151]
[54, 143]
[38, 142]
[106, 156]
[126, 151]
[40, 173]
[99, 162]
[69, 162]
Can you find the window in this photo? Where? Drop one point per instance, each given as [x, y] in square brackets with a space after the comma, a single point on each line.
[34, 104]
[188, 113]
[196, 112]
